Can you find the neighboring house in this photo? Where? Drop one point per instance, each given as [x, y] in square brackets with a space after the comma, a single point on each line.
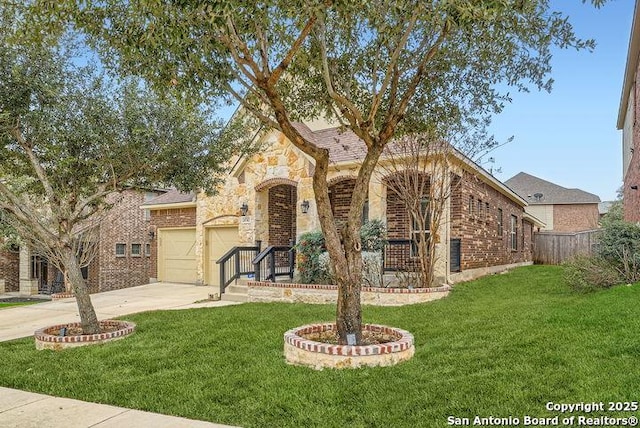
[9, 272]
[629, 123]
[268, 198]
[123, 255]
[604, 207]
[561, 209]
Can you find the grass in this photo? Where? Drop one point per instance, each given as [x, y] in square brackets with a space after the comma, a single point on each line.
[11, 304]
[504, 345]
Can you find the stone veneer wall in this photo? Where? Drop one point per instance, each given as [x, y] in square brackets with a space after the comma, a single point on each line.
[481, 244]
[9, 270]
[325, 294]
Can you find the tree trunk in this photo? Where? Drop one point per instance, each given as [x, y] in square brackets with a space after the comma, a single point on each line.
[88, 318]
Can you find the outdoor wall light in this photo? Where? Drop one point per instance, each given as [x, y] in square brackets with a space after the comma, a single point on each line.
[304, 206]
[244, 209]
[152, 234]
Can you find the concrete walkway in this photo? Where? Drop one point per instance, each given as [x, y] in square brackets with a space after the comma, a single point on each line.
[23, 321]
[21, 409]
[25, 409]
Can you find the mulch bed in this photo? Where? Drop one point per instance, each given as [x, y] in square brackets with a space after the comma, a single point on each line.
[77, 331]
[368, 337]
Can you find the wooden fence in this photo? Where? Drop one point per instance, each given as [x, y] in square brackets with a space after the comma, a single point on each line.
[552, 248]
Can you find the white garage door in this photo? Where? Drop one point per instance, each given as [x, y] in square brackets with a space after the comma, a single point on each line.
[176, 255]
[219, 241]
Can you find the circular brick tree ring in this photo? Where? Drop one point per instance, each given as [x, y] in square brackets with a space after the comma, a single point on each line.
[49, 338]
[318, 355]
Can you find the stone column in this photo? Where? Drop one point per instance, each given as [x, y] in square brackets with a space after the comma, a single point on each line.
[28, 286]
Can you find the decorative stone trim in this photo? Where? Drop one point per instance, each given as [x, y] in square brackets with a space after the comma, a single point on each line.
[323, 293]
[340, 178]
[317, 355]
[275, 182]
[63, 295]
[45, 340]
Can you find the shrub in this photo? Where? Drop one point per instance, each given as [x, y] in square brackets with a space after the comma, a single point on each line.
[308, 250]
[619, 244]
[584, 273]
[373, 235]
[372, 275]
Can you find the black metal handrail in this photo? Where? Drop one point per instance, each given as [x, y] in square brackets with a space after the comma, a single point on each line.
[234, 263]
[274, 261]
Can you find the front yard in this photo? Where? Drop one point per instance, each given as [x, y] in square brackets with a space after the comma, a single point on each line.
[502, 346]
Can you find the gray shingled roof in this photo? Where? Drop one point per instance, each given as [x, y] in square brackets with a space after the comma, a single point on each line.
[171, 197]
[529, 186]
[343, 145]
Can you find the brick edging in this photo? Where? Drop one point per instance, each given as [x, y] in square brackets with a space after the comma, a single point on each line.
[126, 327]
[293, 338]
[390, 290]
[63, 295]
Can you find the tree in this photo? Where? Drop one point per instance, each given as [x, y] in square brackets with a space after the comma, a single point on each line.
[71, 136]
[380, 68]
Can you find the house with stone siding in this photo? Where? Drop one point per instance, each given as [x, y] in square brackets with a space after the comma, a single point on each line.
[629, 122]
[560, 208]
[267, 201]
[123, 257]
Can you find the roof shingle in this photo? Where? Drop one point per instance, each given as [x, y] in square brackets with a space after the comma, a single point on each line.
[537, 191]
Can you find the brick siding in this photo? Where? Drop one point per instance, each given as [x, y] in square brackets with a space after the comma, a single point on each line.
[282, 214]
[574, 218]
[340, 195]
[125, 223]
[10, 269]
[481, 244]
[631, 197]
[177, 217]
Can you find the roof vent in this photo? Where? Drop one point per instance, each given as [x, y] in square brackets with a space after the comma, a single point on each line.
[538, 196]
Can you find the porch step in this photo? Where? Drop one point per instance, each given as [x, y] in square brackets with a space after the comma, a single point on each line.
[235, 293]
[234, 297]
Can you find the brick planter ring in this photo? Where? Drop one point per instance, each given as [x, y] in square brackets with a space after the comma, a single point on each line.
[45, 340]
[63, 295]
[318, 355]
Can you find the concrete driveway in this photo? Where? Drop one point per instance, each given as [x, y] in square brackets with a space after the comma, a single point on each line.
[22, 321]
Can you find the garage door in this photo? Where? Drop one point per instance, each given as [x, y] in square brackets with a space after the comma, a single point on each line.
[219, 241]
[176, 255]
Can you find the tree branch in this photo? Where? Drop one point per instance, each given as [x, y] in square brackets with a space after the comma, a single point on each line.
[292, 51]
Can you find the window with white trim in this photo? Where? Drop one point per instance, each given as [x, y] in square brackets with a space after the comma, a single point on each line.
[500, 222]
[121, 250]
[136, 250]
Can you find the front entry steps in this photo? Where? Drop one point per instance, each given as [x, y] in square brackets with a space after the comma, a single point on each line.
[235, 293]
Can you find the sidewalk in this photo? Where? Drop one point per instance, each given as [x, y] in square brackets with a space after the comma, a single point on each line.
[22, 409]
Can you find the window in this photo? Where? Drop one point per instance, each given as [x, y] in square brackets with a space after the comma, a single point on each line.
[121, 250]
[514, 232]
[480, 207]
[500, 224]
[365, 211]
[420, 228]
[471, 206]
[136, 250]
[486, 211]
[147, 250]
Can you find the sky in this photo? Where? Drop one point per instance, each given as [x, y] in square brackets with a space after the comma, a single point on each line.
[569, 136]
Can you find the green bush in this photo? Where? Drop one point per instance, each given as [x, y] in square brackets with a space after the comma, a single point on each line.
[372, 275]
[311, 245]
[373, 235]
[308, 250]
[585, 273]
[619, 244]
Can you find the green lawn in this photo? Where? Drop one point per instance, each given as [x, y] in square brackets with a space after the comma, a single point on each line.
[10, 304]
[501, 346]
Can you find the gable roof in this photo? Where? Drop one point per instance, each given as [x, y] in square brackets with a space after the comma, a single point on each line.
[527, 186]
